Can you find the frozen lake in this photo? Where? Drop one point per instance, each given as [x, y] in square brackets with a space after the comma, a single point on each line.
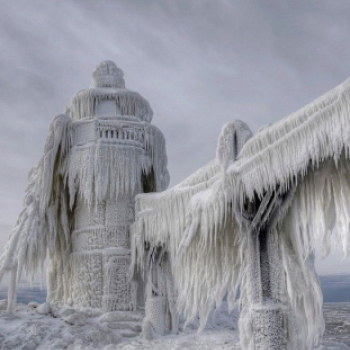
[336, 288]
[221, 333]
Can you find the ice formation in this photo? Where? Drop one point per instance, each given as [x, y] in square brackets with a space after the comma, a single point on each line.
[79, 203]
[252, 217]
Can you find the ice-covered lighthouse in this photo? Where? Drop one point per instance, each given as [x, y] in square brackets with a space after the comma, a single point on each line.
[79, 203]
[115, 155]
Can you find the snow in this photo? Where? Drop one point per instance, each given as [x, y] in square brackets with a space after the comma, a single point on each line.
[43, 309]
[27, 329]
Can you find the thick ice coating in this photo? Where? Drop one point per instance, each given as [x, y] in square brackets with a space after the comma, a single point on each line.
[79, 203]
[202, 223]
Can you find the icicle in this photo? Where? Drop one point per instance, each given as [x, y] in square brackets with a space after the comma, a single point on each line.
[284, 150]
[309, 150]
[12, 290]
[130, 103]
[36, 230]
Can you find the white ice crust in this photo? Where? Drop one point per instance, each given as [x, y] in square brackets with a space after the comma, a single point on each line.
[80, 199]
[200, 222]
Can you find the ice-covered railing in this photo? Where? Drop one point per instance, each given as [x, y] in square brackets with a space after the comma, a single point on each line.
[170, 207]
[279, 154]
[286, 149]
[308, 145]
[115, 159]
[205, 230]
[161, 217]
[163, 220]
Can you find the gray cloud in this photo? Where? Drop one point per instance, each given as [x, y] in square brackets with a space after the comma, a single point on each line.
[199, 63]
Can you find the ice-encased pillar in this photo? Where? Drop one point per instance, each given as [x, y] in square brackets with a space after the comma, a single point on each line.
[265, 303]
[267, 310]
[161, 314]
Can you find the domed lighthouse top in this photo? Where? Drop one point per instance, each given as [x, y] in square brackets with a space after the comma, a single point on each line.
[108, 96]
[107, 74]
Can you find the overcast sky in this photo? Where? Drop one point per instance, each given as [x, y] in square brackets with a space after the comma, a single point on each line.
[199, 64]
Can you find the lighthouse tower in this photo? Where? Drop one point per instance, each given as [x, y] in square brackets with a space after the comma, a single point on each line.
[115, 154]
